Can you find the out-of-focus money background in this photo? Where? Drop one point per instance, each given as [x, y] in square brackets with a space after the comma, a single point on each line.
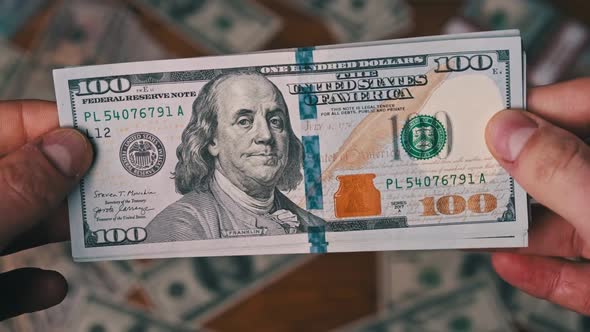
[395, 291]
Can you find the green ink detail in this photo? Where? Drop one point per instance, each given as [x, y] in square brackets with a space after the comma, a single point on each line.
[90, 239]
[176, 289]
[503, 55]
[223, 23]
[423, 137]
[482, 178]
[179, 10]
[430, 277]
[471, 265]
[140, 327]
[97, 328]
[460, 324]
[180, 112]
[499, 20]
[508, 295]
[319, 4]
[357, 4]
[510, 213]
[150, 78]
[77, 35]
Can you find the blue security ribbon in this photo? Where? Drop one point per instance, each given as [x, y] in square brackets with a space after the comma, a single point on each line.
[312, 173]
[317, 237]
[304, 56]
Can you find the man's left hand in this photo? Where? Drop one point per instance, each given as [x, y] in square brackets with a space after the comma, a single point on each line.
[39, 165]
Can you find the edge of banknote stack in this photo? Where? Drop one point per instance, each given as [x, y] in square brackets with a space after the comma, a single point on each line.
[337, 236]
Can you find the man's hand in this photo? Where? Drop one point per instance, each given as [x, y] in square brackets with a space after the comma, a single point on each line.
[39, 165]
[543, 150]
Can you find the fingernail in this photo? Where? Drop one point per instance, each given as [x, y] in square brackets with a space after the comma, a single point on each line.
[510, 130]
[66, 149]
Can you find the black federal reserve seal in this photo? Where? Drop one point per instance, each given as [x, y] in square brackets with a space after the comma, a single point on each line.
[142, 154]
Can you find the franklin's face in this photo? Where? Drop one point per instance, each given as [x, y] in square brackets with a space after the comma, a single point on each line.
[252, 142]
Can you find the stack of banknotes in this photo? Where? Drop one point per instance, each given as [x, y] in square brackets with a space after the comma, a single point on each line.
[353, 147]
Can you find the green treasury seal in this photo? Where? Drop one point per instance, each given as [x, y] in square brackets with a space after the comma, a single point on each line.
[423, 137]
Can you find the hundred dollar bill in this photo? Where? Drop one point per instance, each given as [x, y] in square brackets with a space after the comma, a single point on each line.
[375, 146]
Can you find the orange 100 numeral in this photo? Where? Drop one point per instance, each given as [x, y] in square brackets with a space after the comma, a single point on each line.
[456, 204]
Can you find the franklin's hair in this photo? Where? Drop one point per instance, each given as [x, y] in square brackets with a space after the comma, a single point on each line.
[196, 165]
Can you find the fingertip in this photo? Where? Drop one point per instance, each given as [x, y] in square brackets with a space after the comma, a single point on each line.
[563, 97]
[47, 288]
[507, 264]
[69, 150]
[501, 258]
[28, 290]
[507, 133]
[56, 287]
[527, 272]
[492, 129]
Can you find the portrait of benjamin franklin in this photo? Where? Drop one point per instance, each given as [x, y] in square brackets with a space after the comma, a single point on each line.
[237, 154]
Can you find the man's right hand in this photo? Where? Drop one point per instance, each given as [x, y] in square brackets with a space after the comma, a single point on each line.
[543, 150]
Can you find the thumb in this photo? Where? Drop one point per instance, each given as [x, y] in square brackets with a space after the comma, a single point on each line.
[550, 163]
[36, 178]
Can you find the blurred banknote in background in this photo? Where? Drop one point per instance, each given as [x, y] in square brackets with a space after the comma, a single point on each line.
[82, 32]
[368, 147]
[15, 13]
[158, 295]
[472, 306]
[9, 60]
[219, 26]
[356, 21]
[457, 291]
[581, 67]
[557, 47]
